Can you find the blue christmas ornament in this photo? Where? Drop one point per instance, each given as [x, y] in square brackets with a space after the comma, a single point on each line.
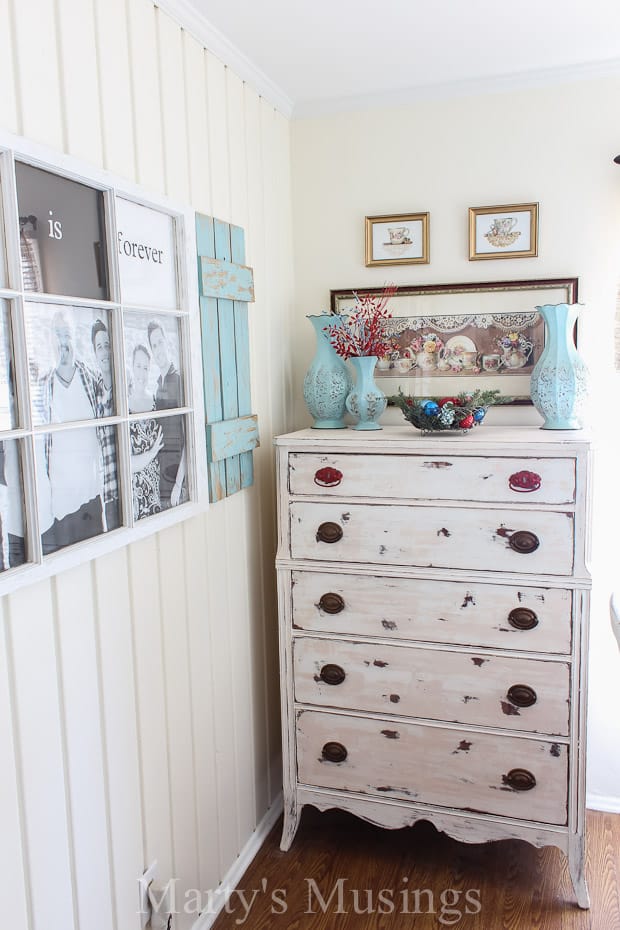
[479, 414]
[430, 408]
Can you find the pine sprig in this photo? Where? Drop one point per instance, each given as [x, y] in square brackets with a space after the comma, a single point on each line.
[362, 332]
[433, 414]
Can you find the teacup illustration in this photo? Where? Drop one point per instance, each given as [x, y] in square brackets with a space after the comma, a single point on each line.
[504, 225]
[383, 362]
[398, 234]
[468, 359]
[491, 362]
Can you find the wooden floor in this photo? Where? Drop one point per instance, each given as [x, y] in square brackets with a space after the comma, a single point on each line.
[378, 879]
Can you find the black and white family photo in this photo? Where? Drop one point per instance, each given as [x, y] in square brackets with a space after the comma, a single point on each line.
[154, 385]
[71, 381]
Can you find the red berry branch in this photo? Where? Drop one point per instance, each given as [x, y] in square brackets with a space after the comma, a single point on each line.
[362, 332]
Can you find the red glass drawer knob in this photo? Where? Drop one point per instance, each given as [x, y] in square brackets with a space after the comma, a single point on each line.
[328, 477]
[524, 481]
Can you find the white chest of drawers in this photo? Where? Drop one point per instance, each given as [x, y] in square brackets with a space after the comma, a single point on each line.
[433, 599]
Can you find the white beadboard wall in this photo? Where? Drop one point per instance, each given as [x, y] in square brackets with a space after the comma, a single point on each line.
[139, 713]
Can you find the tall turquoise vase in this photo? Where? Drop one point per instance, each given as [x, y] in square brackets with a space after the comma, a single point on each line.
[328, 380]
[559, 384]
[366, 401]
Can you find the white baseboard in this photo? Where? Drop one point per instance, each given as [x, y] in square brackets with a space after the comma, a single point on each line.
[599, 802]
[239, 866]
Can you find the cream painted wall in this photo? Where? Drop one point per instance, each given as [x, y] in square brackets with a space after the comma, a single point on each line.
[139, 706]
[553, 145]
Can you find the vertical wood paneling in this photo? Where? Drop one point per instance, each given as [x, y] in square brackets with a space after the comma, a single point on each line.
[236, 148]
[200, 657]
[9, 117]
[119, 730]
[240, 669]
[13, 864]
[273, 327]
[259, 348]
[37, 67]
[228, 774]
[179, 706]
[218, 140]
[145, 82]
[173, 112]
[79, 675]
[197, 125]
[115, 87]
[151, 702]
[143, 688]
[38, 716]
[79, 80]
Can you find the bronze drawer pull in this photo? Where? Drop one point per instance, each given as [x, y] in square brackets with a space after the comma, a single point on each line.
[519, 779]
[524, 541]
[522, 618]
[328, 477]
[524, 481]
[331, 603]
[334, 752]
[332, 674]
[329, 533]
[522, 695]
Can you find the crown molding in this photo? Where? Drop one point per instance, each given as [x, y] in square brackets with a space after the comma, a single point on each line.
[188, 17]
[493, 84]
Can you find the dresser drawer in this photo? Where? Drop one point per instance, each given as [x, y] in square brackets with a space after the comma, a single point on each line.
[458, 687]
[500, 616]
[434, 477]
[454, 768]
[442, 537]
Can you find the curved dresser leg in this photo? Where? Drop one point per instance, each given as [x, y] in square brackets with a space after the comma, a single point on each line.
[576, 867]
[292, 814]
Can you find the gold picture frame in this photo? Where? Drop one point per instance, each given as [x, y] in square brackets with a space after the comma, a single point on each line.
[506, 231]
[397, 239]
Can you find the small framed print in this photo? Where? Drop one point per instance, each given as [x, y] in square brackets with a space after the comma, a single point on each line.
[397, 239]
[508, 231]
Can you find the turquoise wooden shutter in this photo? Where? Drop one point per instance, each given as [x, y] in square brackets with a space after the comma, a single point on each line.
[226, 286]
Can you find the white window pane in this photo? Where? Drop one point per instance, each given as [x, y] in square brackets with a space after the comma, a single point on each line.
[158, 464]
[12, 533]
[70, 363]
[3, 275]
[8, 405]
[146, 255]
[62, 234]
[153, 361]
[77, 498]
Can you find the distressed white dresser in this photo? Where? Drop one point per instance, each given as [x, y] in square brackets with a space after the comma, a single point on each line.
[433, 598]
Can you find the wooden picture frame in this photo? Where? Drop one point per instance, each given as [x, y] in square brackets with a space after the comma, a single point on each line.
[488, 335]
[397, 239]
[507, 231]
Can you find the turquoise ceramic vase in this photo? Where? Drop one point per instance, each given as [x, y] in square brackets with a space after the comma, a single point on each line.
[365, 401]
[328, 380]
[559, 383]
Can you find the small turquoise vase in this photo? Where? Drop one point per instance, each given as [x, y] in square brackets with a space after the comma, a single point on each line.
[328, 380]
[365, 401]
[559, 383]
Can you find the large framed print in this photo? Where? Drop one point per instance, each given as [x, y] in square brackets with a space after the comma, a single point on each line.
[449, 338]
